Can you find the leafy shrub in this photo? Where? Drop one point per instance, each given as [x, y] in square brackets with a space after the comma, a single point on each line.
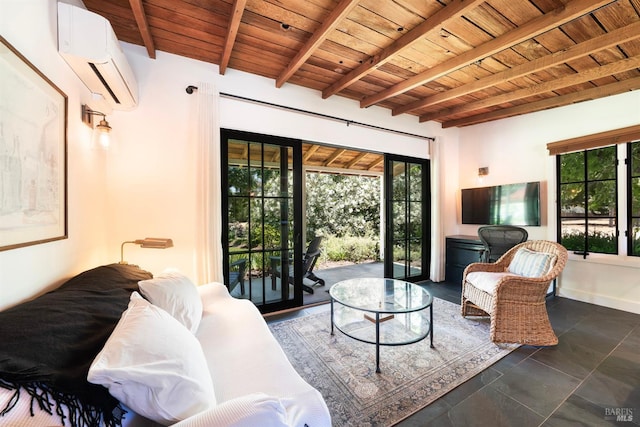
[271, 236]
[399, 254]
[349, 248]
[342, 205]
[598, 242]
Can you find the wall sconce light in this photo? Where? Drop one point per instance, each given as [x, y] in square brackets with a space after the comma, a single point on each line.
[101, 133]
[482, 172]
[149, 242]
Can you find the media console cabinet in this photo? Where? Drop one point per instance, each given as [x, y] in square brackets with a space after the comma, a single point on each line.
[460, 252]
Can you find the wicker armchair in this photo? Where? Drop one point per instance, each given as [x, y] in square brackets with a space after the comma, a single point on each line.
[515, 303]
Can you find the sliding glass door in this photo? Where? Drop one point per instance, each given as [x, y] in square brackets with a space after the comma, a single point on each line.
[408, 218]
[262, 218]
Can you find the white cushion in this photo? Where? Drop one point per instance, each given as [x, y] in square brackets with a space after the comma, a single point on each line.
[154, 365]
[251, 410]
[485, 280]
[175, 293]
[244, 358]
[529, 263]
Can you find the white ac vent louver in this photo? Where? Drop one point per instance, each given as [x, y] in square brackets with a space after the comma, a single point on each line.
[88, 44]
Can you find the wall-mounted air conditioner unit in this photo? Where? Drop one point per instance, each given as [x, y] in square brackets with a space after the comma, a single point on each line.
[89, 45]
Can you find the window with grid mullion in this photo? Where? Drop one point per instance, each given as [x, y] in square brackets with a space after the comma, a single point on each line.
[633, 186]
[587, 212]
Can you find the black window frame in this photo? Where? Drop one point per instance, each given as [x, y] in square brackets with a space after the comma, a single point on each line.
[263, 305]
[585, 181]
[630, 193]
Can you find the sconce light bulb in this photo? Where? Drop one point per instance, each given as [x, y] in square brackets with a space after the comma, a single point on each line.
[103, 140]
[103, 129]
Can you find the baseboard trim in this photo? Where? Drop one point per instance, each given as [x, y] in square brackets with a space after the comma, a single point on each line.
[597, 299]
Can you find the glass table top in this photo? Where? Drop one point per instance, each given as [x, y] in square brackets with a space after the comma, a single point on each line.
[378, 295]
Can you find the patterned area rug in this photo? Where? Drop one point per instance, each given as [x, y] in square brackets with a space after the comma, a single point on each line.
[412, 376]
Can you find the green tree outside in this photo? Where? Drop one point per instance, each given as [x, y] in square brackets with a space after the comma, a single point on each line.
[588, 201]
[344, 209]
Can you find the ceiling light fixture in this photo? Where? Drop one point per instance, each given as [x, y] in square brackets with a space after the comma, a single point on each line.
[101, 133]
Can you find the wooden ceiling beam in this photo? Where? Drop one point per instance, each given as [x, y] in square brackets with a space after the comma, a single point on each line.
[312, 149]
[556, 101]
[375, 163]
[399, 169]
[328, 25]
[232, 31]
[616, 37]
[356, 160]
[276, 156]
[559, 83]
[143, 27]
[334, 156]
[432, 24]
[531, 29]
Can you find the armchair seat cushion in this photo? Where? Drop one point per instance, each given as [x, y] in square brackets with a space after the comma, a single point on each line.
[486, 281]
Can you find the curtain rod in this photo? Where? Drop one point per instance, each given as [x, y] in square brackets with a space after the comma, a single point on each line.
[191, 88]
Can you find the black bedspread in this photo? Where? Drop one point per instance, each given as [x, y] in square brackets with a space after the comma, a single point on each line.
[47, 344]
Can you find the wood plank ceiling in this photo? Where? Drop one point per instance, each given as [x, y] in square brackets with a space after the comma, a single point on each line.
[457, 62]
[316, 157]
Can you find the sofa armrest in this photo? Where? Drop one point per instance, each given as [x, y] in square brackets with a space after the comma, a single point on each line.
[213, 290]
[252, 410]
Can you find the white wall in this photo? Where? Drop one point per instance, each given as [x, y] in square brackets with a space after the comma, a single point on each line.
[515, 151]
[30, 26]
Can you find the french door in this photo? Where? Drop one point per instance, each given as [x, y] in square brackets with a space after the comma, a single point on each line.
[262, 218]
[408, 218]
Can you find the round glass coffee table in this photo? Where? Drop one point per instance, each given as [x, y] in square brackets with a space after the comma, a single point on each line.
[382, 312]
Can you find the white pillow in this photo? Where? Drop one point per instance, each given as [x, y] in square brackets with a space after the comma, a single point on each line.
[529, 263]
[154, 365]
[175, 293]
[251, 410]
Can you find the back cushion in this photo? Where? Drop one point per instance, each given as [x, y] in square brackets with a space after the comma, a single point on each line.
[176, 294]
[529, 263]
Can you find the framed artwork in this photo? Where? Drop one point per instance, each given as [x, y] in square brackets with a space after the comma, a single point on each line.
[33, 154]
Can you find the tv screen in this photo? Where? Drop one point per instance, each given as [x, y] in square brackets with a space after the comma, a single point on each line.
[510, 204]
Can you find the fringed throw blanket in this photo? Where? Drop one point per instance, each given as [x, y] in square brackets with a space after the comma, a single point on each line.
[47, 345]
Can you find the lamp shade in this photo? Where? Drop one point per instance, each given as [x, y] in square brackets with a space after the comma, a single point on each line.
[102, 135]
[148, 242]
[155, 243]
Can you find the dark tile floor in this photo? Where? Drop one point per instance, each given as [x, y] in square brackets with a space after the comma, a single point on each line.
[588, 379]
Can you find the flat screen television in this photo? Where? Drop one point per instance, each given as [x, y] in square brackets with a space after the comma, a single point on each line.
[509, 204]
